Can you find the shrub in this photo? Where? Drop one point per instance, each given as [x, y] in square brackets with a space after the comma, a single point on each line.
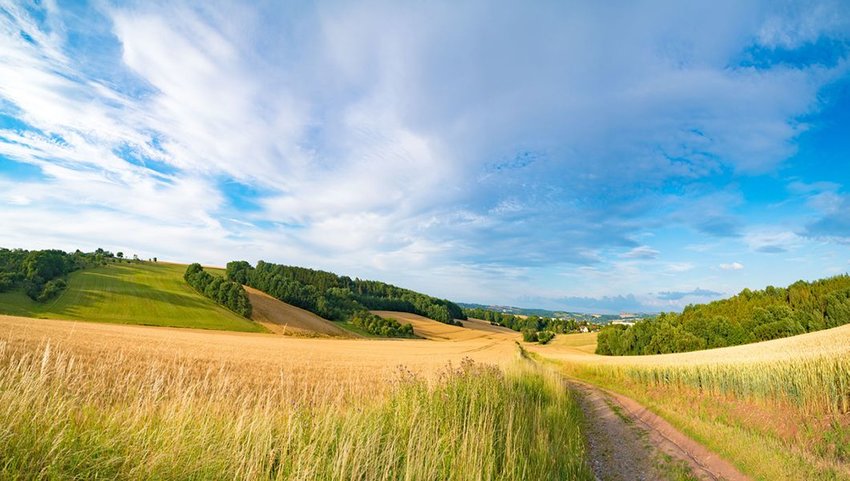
[543, 337]
[380, 326]
[529, 335]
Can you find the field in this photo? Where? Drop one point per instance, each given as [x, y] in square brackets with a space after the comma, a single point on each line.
[145, 293]
[776, 409]
[117, 400]
[282, 318]
[98, 400]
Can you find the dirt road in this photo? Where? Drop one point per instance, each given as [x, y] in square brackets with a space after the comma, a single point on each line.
[627, 442]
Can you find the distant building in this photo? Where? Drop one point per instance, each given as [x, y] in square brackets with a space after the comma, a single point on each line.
[627, 315]
[624, 323]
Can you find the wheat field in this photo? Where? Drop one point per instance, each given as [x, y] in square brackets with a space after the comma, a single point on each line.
[88, 401]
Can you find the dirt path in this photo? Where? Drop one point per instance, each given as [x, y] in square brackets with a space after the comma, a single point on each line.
[627, 442]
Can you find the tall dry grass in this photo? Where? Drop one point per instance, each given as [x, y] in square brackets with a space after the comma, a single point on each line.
[778, 410]
[813, 384]
[115, 416]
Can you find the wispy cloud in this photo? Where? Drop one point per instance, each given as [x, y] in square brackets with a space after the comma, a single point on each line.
[641, 252]
[678, 295]
[374, 137]
[731, 266]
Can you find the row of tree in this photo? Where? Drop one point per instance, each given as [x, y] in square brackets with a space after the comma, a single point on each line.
[380, 326]
[543, 337]
[41, 273]
[530, 323]
[223, 291]
[750, 316]
[336, 297]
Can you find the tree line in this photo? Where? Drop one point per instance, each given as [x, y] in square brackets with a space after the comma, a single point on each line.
[750, 316]
[533, 328]
[223, 291]
[533, 323]
[42, 273]
[339, 298]
[380, 326]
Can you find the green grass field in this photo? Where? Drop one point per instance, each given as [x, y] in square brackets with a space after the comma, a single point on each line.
[145, 293]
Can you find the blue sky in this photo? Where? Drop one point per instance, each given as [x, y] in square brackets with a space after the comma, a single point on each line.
[589, 156]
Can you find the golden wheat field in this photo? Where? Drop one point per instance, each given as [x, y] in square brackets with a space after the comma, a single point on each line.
[131, 402]
[367, 361]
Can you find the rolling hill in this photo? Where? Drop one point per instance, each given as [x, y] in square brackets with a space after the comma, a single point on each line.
[134, 293]
[282, 318]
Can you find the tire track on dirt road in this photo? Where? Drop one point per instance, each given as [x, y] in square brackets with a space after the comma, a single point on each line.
[628, 442]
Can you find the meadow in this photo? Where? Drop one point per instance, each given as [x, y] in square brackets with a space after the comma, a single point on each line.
[138, 293]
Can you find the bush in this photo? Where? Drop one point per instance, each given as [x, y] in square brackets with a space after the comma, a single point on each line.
[529, 335]
[380, 326]
[543, 337]
[51, 289]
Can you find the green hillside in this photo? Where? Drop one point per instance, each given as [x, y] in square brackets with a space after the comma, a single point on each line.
[144, 293]
[750, 316]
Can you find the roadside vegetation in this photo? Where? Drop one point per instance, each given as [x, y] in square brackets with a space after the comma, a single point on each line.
[750, 316]
[122, 416]
[776, 410]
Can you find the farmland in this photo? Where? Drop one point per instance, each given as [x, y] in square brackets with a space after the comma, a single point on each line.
[143, 293]
[104, 400]
[776, 409]
[304, 390]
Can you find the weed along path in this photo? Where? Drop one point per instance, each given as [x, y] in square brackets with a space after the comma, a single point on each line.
[626, 441]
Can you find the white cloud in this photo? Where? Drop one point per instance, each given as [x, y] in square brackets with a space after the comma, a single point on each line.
[680, 267]
[732, 266]
[641, 252]
[772, 241]
[378, 139]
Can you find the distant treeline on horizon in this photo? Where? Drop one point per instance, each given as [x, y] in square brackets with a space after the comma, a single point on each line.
[750, 316]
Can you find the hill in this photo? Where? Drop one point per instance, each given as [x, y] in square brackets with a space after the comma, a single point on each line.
[525, 311]
[282, 318]
[339, 298]
[472, 329]
[750, 316]
[145, 293]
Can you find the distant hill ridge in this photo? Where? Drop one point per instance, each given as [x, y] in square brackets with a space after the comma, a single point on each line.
[750, 316]
[337, 297]
[524, 311]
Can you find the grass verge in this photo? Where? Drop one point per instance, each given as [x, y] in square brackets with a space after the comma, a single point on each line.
[779, 420]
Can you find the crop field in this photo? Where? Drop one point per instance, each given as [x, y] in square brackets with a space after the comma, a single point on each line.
[778, 409]
[108, 398]
[111, 401]
[282, 318]
[145, 293]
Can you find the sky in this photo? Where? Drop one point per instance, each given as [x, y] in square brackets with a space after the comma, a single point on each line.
[586, 156]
